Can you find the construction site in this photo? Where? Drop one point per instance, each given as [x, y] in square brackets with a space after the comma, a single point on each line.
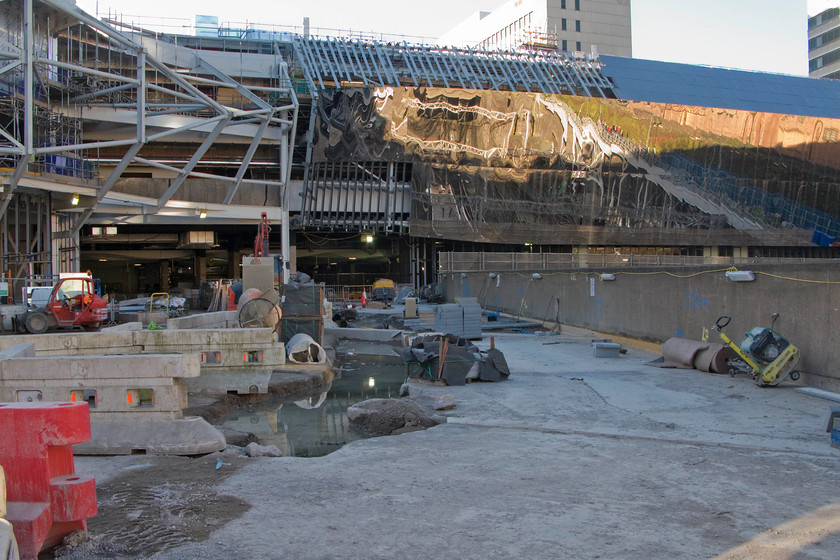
[588, 301]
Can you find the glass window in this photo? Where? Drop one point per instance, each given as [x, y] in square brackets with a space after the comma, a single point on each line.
[563, 24]
[577, 25]
[577, 46]
[577, 5]
[562, 4]
[565, 45]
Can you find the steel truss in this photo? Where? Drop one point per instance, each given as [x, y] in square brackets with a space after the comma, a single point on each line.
[337, 62]
[145, 99]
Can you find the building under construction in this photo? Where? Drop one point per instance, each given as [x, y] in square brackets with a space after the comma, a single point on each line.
[149, 158]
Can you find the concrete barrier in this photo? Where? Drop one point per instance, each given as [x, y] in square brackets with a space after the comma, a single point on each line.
[239, 360]
[135, 401]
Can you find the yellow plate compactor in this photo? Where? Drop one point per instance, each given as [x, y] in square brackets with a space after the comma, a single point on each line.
[764, 354]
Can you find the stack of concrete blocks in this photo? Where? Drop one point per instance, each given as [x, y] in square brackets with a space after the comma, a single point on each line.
[461, 319]
[135, 401]
[303, 311]
[449, 319]
[472, 318]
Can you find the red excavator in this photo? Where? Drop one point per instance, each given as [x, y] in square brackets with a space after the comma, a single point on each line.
[73, 302]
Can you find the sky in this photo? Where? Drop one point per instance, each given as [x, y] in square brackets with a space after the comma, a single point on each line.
[760, 35]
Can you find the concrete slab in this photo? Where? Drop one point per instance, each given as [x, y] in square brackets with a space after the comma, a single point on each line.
[572, 457]
[216, 382]
[215, 320]
[60, 343]
[184, 436]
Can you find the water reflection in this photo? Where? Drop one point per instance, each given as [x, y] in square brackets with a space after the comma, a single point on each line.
[318, 425]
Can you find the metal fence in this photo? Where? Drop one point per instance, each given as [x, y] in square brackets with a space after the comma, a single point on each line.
[466, 262]
[339, 293]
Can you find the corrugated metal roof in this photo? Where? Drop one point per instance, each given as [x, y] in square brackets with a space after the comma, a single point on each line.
[685, 84]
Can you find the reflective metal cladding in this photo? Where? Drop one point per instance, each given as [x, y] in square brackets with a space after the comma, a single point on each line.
[498, 166]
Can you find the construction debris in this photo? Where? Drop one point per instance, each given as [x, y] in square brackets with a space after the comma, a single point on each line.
[453, 360]
[382, 417]
[302, 349]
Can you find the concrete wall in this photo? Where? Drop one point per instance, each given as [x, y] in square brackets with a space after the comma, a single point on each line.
[656, 304]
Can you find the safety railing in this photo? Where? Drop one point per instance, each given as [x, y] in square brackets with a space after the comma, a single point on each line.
[499, 262]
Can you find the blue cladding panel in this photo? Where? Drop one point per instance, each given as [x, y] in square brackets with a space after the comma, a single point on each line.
[684, 84]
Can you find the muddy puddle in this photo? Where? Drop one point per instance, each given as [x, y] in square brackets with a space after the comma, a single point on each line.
[317, 425]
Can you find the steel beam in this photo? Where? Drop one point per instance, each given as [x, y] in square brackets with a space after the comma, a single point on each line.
[196, 157]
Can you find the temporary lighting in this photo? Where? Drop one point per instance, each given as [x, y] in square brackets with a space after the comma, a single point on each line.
[202, 213]
[75, 200]
[371, 382]
[536, 276]
[492, 275]
[740, 275]
[368, 238]
[103, 260]
[463, 275]
[607, 277]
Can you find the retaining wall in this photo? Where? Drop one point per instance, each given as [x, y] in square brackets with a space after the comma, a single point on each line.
[655, 304]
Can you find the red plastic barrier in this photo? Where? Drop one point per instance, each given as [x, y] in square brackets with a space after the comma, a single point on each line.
[46, 499]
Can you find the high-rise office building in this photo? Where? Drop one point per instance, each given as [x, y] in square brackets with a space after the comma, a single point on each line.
[591, 26]
[824, 44]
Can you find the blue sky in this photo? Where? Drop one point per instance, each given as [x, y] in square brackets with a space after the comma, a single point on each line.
[762, 35]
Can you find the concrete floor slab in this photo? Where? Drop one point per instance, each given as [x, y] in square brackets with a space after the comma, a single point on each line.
[572, 457]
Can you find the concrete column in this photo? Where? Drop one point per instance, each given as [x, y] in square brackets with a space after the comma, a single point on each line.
[132, 279]
[164, 276]
[293, 259]
[234, 264]
[199, 269]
